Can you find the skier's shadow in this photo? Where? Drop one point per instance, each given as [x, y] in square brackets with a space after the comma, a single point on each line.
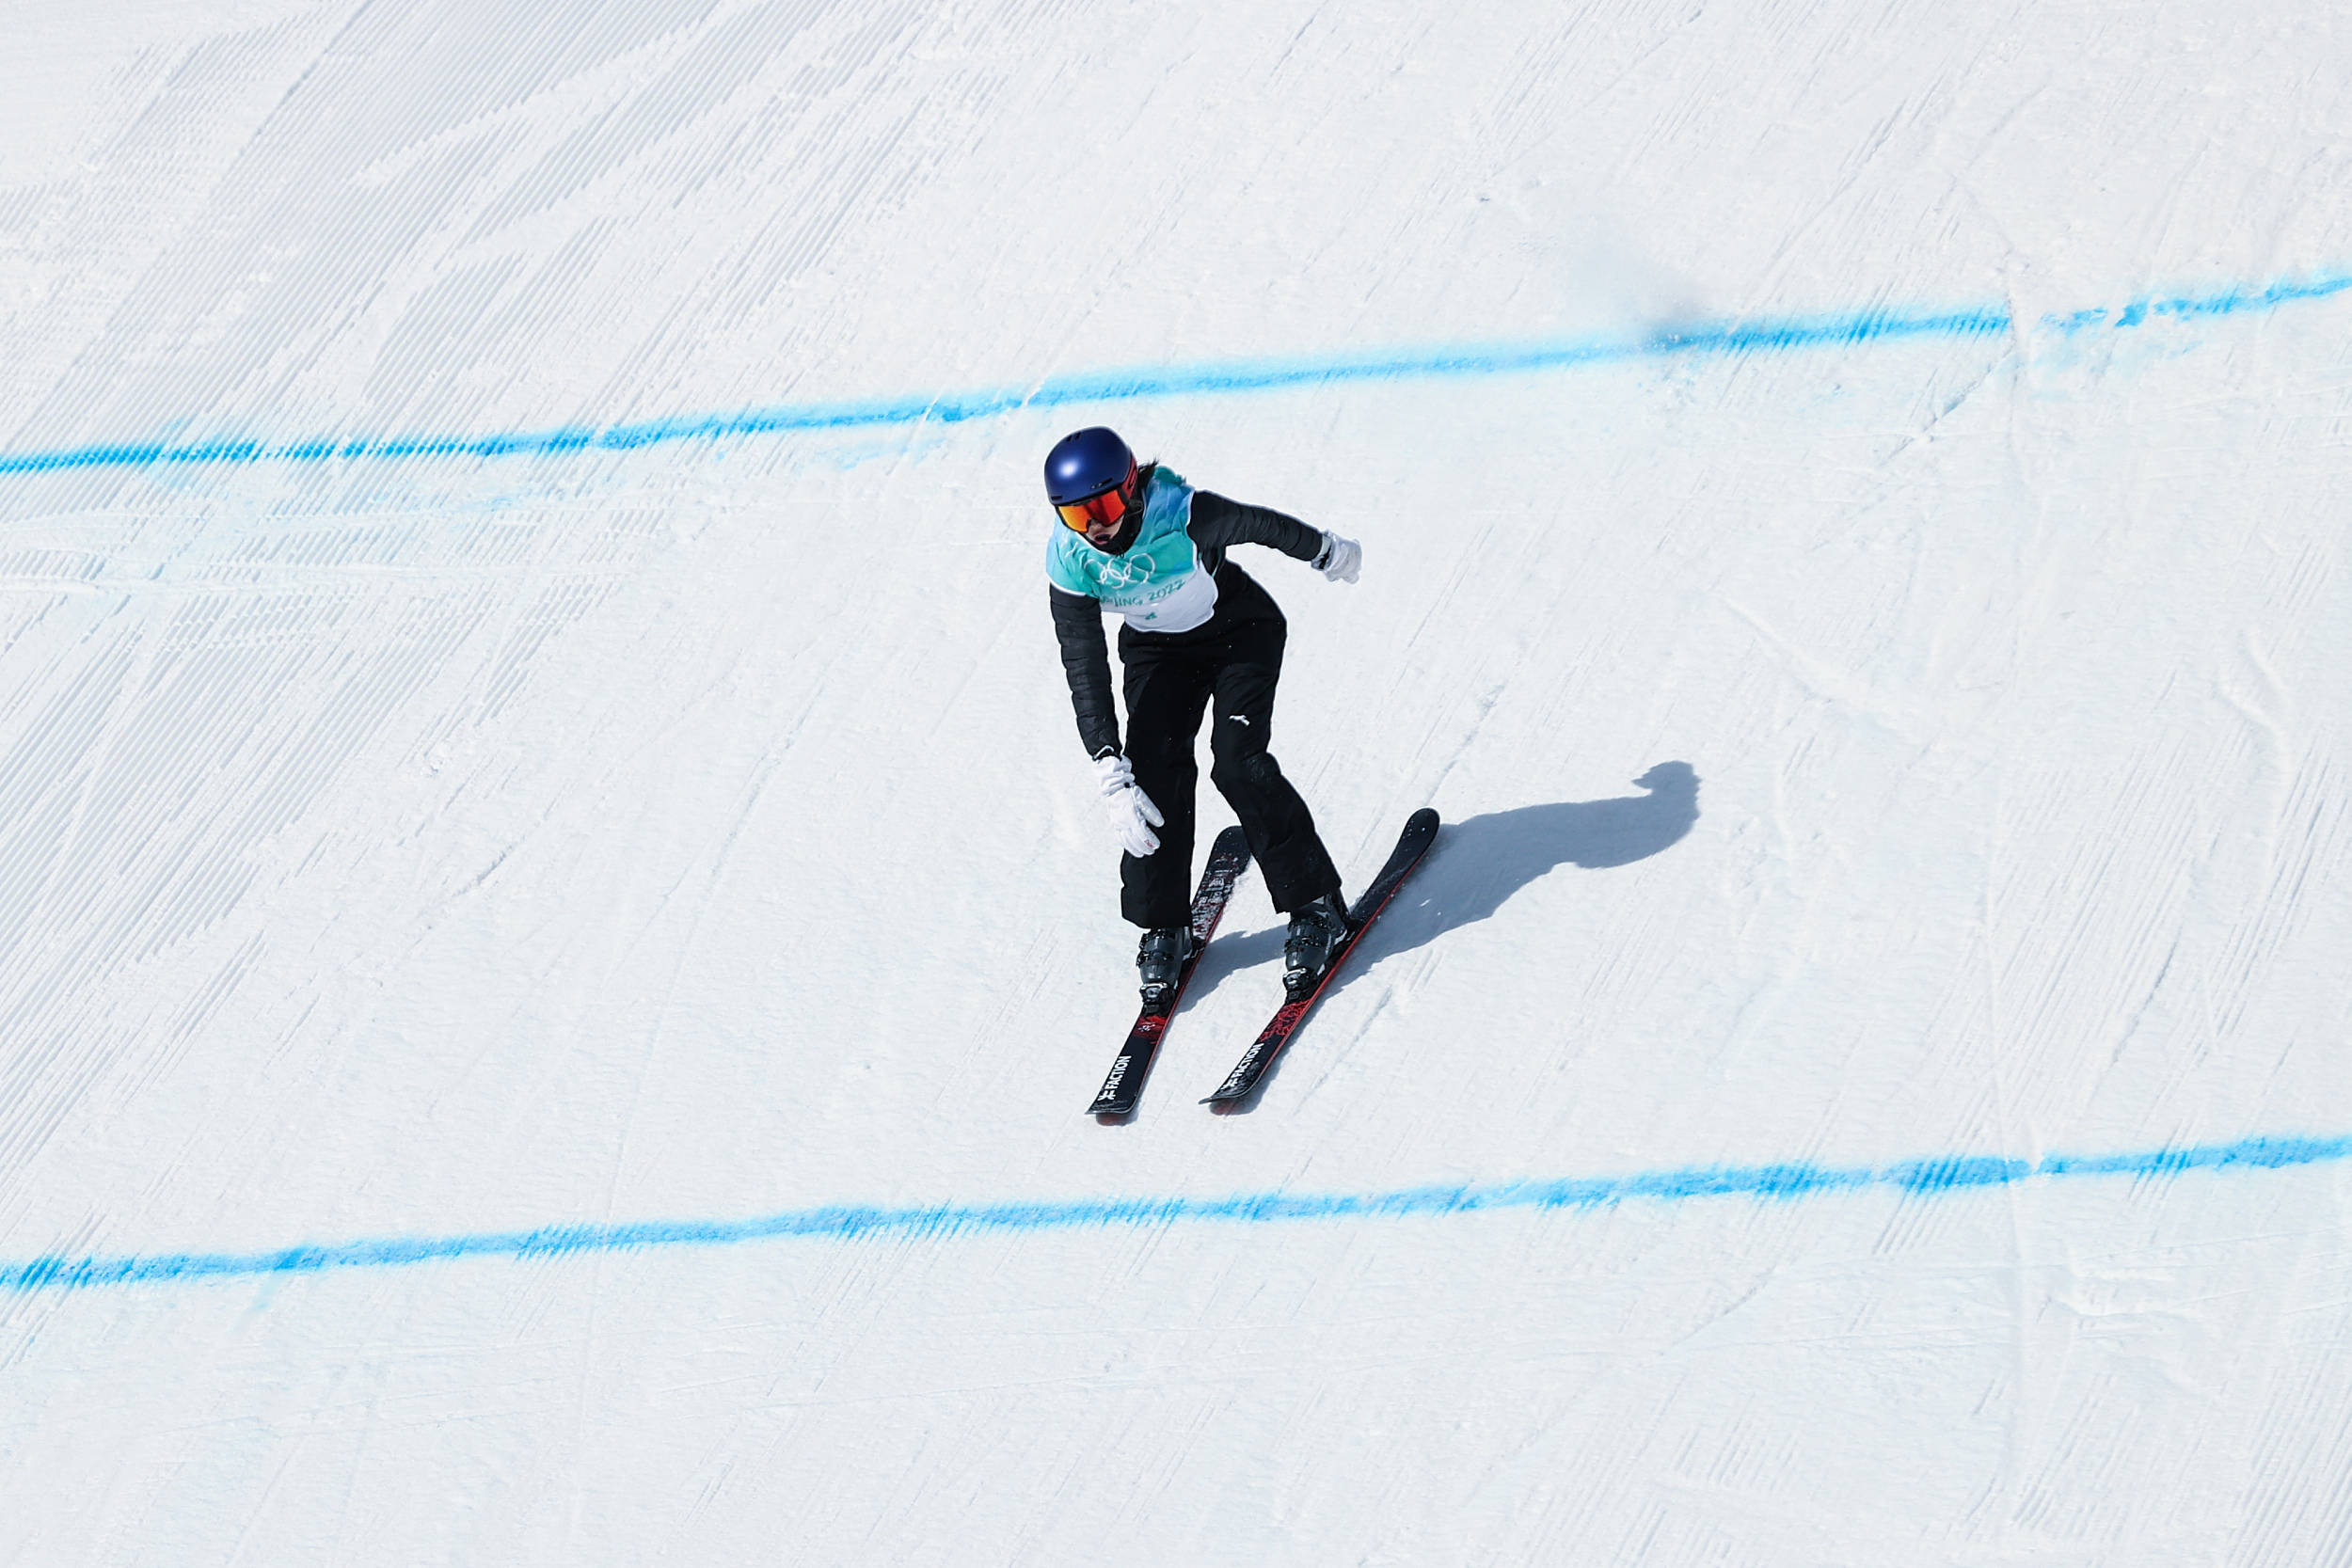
[1477, 865]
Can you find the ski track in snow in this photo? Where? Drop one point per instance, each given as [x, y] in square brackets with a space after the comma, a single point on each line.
[518, 721]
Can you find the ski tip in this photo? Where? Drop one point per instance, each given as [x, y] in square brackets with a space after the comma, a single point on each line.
[1236, 1088]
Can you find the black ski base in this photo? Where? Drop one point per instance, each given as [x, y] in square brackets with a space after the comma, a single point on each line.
[1421, 831]
[1229, 857]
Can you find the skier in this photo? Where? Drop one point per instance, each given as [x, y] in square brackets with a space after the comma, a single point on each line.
[1140, 541]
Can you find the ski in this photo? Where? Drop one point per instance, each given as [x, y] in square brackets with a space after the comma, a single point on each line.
[1229, 857]
[1421, 831]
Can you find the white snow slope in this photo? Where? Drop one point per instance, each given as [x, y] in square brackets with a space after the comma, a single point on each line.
[1908, 1125]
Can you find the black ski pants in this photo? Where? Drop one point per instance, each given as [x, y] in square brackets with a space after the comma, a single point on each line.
[1168, 682]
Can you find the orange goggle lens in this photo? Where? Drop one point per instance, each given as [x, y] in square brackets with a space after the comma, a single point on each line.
[1108, 507]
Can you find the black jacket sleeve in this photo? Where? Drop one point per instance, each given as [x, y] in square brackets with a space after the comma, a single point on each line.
[1086, 658]
[1217, 523]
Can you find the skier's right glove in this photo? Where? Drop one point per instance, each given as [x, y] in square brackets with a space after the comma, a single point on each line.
[1133, 815]
[1340, 559]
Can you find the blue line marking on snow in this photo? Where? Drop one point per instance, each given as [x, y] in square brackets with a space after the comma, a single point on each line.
[1722, 338]
[1928, 1177]
[1212, 379]
[2223, 302]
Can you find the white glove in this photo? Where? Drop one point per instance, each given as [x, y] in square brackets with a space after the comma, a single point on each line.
[1133, 815]
[1340, 559]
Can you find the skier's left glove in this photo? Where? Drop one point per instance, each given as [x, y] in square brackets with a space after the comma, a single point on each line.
[1340, 559]
[1133, 815]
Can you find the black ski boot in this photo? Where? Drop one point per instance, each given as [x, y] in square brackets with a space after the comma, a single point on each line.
[1317, 928]
[1160, 962]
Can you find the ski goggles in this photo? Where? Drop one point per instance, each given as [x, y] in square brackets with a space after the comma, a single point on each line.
[1108, 508]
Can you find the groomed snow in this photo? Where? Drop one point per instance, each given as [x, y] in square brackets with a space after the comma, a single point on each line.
[554, 934]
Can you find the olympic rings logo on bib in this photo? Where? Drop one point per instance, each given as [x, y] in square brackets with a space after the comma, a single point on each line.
[1123, 571]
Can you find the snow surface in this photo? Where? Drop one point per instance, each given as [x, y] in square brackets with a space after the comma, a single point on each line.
[1853, 500]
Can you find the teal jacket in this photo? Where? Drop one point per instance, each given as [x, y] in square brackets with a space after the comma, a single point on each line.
[1171, 580]
[1158, 583]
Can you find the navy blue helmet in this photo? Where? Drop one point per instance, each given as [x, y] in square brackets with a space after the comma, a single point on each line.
[1086, 463]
